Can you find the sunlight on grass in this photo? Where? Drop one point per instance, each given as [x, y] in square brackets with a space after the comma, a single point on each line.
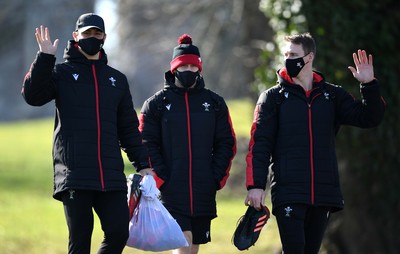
[241, 112]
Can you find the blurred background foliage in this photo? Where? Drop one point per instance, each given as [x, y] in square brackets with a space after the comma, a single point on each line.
[141, 35]
[239, 42]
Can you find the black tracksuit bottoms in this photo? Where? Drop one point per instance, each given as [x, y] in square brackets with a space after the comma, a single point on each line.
[301, 227]
[111, 208]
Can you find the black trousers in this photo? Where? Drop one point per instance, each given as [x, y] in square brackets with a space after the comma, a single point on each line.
[301, 227]
[112, 210]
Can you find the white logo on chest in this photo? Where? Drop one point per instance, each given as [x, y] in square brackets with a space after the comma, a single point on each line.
[206, 106]
[113, 80]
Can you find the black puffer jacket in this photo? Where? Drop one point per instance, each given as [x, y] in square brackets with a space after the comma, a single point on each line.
[94, 119]
[294, 132]
[191, 143]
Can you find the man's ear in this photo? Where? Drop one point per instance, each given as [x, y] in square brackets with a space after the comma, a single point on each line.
[75, 35]
[311, 56]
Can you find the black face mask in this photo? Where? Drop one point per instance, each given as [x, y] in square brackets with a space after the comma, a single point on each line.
[91, 45]
[294, 66]
[187, 78]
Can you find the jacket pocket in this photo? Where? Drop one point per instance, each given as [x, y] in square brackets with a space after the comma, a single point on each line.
[63, 151]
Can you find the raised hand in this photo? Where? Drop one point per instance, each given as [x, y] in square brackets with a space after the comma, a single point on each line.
[364, 71]
[44, 41]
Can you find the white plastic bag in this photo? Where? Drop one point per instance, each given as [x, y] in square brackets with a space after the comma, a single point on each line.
[152, 228]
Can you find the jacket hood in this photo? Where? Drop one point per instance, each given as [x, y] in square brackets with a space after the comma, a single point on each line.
[169, 83]
[72, 54]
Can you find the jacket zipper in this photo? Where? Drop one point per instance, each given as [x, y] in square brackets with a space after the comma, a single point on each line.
[96, 87]
[311, 151]
[310, 131]
[190, 150]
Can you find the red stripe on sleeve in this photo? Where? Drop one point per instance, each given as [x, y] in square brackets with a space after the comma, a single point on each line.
[249, 157]
[223, 181]
[141, 122]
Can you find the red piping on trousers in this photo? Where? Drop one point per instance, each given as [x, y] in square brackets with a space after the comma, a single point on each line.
[96, 87]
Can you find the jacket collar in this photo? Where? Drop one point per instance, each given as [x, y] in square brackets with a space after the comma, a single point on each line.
[284, 76]
[169, 83]
[72, 54]
[286, 83]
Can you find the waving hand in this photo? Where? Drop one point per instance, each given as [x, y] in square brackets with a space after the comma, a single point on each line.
[364, 71]
[44, 41]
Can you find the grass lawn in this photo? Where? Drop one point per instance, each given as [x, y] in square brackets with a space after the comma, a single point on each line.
[33, 222]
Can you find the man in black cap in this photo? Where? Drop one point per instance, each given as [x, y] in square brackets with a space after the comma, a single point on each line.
[94, 119]
[191, 142]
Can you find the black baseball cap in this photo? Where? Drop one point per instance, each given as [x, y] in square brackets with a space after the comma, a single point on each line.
[89, 20]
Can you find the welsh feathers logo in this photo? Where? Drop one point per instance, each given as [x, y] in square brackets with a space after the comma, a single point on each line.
[206, 106]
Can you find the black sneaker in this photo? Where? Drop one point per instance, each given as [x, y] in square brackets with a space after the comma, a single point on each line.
[134, 192]
[249, 227]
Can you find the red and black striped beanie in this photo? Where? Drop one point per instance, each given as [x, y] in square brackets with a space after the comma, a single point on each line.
[185, 53]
